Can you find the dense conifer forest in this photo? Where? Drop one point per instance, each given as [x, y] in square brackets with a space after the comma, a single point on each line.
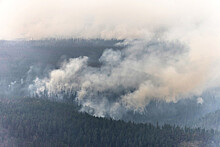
[38, 122]
[109, 73]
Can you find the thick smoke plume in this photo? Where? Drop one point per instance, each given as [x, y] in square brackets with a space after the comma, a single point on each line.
[175, 55]
[128, 79]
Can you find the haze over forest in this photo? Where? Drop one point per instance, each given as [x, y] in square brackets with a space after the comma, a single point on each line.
[137, 61]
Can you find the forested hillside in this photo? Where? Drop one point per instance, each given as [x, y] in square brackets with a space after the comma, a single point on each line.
[209, 121]
[22, 62]
[37, 122]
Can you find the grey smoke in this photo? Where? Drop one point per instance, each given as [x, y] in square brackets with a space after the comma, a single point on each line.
[163, 69]
[128, 79]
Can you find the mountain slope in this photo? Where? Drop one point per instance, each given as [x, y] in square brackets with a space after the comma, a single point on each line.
[37, 122]
[209, 121]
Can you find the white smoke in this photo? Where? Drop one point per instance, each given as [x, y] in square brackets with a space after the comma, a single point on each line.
[121, 19]
[177, 55]
[200, 100]
[128, 79]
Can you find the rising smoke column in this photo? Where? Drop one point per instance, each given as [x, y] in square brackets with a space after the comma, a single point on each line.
[128, 79]
[162, 69]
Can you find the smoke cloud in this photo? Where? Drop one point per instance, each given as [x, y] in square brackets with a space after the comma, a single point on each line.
[171, 52]
[128, 79]
[123, 19]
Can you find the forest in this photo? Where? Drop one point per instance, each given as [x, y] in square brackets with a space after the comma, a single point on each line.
[45, 123]
[109, 73]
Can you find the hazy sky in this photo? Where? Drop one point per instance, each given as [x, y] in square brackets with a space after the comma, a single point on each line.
[107, 18]
[191, 23]
[194, 22]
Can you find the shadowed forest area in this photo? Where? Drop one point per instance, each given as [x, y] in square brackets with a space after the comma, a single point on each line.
[109, 73]
[38, 122]
[57, 122]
